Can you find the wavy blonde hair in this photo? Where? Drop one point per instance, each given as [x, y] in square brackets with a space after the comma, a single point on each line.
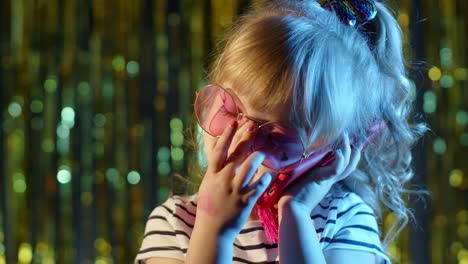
[334, 77]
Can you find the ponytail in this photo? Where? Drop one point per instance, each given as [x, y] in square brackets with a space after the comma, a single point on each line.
[387, 163]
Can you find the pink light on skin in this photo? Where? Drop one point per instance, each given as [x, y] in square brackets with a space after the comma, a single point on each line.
[206, 204]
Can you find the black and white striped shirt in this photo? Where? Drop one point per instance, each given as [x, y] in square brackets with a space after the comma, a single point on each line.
[342, 221]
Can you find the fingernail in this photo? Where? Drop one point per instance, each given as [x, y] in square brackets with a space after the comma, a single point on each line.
[233, 124]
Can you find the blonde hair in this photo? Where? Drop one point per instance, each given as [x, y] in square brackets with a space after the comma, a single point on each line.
[334, 77]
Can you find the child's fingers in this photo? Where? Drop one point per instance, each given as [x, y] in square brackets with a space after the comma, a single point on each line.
[351, 155]
[338, 164]
[244, 132]
[242, 149]
[353, 162]
[241, 145]
[247, 170]
[342, 157]
[253, 191]
[221, 147]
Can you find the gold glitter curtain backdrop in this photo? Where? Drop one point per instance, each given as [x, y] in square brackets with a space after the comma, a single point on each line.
[96, 96]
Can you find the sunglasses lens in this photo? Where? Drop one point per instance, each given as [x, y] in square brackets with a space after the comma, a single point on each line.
[215, 109]
[282, 146]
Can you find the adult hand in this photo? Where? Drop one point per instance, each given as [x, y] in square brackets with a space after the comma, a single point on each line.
[311, 188]
[227, 193]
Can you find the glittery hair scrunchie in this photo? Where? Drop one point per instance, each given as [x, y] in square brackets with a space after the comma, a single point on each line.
[349, 11]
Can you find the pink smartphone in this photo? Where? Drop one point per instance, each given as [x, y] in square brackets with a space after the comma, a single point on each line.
[319, 159]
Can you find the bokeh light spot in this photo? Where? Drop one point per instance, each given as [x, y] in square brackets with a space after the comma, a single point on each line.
[177, 154]
[434, 73]
[19, 186]
[118, 63]
[159, 103]
[36, 106]
[394, 250]
[176, 124]
[446, 81]
[177, 139]
[464, 139]
[456, 178]
[389, 220]
[445, 57]
[99, 120]
[107, 89]
[462, 117]
[112, 175]
[164, 168]
[68, 114]
[84, 89]
[439, 146]
[63, 132]
[462, 255]
[164, 154]
[133, 68]
[163, 193]
[429, 102]
[63, 146]
[403, 19]
[133, 177]
[14, 109]
[50, 85]
[102, 246]
[461, 74]
[64, 176]
[25, 253]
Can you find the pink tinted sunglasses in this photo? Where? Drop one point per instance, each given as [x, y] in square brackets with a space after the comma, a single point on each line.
[216, 107]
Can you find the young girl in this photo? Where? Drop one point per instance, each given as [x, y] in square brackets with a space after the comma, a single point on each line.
[314, 91]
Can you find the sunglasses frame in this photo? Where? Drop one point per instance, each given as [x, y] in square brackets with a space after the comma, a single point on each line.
[239, 115]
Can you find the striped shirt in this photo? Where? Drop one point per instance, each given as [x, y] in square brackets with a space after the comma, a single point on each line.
[342, 221]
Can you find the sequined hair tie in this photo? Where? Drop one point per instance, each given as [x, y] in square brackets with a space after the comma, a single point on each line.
[349, 11]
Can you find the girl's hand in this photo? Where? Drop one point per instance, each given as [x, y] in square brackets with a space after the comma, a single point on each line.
[226, 195]
[311, 188]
